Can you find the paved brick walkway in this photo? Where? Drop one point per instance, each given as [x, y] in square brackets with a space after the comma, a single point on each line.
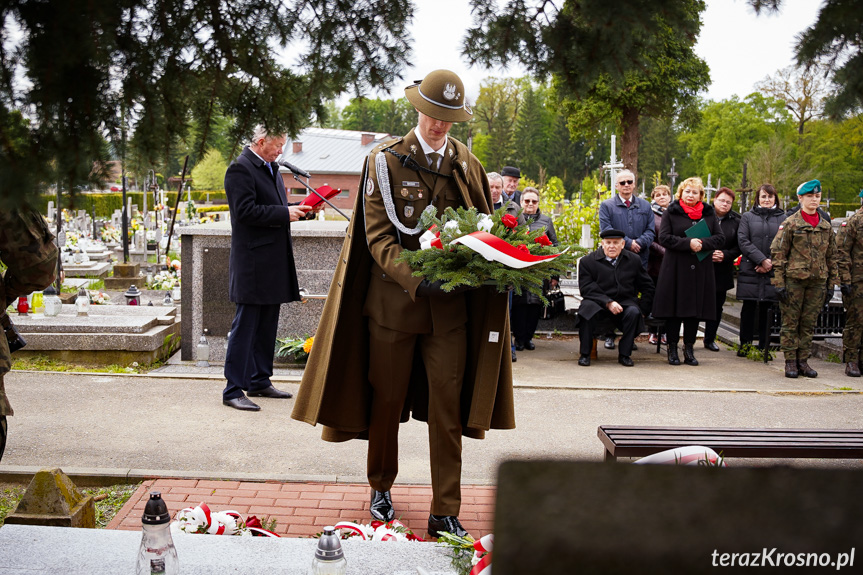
[303, 509]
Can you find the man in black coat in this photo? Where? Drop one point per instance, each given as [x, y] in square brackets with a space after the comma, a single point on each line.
[610, 280]
[262, 275]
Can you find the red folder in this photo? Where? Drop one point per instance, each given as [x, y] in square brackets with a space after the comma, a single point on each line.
[313, 200]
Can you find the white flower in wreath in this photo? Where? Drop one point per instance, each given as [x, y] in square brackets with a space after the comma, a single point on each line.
[451, 225]
[484, 223]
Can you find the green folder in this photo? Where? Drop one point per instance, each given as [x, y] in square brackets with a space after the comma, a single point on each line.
[699, 231]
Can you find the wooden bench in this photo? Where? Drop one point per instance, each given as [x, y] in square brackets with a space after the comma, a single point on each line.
[639, 441]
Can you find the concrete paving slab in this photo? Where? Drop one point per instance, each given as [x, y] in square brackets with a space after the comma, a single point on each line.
[26, 549]
[177, 425]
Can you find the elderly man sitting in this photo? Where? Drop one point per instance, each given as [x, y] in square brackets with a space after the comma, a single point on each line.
[610, 280]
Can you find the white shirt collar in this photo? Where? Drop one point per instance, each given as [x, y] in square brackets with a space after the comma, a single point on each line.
[427, 149]
[257, 156]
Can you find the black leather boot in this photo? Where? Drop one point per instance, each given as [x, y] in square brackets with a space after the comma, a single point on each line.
[804, 369]
[791, 368]
[851, 369]
[689, 355]
[673, 358]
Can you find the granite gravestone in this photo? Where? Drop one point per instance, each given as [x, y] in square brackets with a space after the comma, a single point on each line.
[218, 311]
[579, 517]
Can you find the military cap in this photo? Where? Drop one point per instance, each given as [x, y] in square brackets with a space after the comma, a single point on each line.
[440, 95]
[612, 234]
[511, 172]
[810, 187]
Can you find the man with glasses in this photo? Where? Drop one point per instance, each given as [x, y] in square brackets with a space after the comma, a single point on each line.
[633, 216]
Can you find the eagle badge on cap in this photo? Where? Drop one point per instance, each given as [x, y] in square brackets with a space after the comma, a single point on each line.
[449, 92]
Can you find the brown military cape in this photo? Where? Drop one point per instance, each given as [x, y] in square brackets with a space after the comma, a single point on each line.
[335, 390]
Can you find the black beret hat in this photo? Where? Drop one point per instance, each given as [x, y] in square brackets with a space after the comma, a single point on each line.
[511, 172]
[612, 234]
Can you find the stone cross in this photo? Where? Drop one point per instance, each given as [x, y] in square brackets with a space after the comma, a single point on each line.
[673, 175]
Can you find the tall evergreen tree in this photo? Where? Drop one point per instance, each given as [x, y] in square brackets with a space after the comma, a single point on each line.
[77, 63]
[610, 64]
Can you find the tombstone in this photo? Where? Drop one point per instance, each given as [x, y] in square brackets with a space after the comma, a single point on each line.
[117, 219]
[591, 517]
[140, 240]
[51, 211]
[133, 211]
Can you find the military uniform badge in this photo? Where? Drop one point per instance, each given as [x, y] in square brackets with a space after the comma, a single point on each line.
[370, 187]
[409, 210]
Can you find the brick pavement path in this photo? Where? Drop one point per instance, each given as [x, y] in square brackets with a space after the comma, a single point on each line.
[303, 509]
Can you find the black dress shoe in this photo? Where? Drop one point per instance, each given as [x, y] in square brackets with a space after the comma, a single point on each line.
[270, 392]
[528, 345]
[446, 524]
[609, 342]
[711, 346]
[381, 506]
[625, 360]
[584, 360]
[242, 403]
[519, 346]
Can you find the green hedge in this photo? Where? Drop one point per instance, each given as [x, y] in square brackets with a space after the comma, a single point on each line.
[105, 203]
[208, 209]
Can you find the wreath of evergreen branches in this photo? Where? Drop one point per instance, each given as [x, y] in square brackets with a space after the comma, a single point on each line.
[458, 265]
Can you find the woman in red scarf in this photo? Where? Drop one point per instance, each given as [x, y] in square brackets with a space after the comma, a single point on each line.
[686, 288]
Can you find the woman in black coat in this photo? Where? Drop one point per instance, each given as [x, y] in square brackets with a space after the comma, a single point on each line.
[723, 260]
[527, 307]
[686, 290]
[757, 229]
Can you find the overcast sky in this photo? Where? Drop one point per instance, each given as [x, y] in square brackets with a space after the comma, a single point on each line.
[740, 47]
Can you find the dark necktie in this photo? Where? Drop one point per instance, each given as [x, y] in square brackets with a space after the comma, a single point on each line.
[433, 160]
[627, 202]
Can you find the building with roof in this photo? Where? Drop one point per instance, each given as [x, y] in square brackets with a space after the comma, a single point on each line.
[331, 157]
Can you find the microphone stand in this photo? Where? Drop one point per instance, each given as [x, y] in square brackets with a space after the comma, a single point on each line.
[314, 191]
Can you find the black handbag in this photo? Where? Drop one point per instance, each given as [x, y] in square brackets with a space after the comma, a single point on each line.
[556, 305]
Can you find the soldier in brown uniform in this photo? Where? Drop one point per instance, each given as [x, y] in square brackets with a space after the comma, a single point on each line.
[849, 242]
[804, 263]
[28, 251]
[390, 343]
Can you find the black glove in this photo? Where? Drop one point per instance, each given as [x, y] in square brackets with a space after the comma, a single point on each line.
[782, 294]
[828, 295]
[846, 290]
[433, 289]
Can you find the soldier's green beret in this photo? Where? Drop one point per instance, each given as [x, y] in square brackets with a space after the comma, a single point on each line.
[810, 187]
[440, 96]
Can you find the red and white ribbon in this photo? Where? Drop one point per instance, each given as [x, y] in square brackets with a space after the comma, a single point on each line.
[482, 552]
[495, 249]
[378, 531]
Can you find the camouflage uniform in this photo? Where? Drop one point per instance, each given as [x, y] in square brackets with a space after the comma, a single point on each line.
[849, 243]
[28, 251]
[804, 262]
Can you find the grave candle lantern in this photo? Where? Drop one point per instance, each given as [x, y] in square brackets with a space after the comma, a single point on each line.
[133, 296]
